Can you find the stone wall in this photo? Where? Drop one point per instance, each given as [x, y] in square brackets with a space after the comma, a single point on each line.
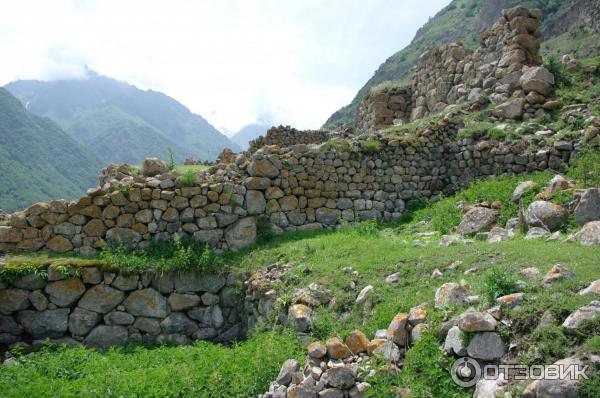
[286, 136]
[504, 71]
[296, 188]
[102, 309]
[385, 106]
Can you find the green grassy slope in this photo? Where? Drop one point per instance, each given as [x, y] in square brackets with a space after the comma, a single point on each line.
[462, 20]
[67, 102]
[38, 160]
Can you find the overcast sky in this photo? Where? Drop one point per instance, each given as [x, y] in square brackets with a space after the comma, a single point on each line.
[232, 61]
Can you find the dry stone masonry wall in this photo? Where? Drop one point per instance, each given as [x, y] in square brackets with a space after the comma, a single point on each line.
[304, 187]
[504, 71]
[286, 136]
[102, 309]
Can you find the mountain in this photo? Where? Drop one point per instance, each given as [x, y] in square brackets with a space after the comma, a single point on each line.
[38, 160]
[569, 26]
[248, 133]
[118, 121]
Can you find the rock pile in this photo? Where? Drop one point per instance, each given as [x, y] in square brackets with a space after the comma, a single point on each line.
[288, 136]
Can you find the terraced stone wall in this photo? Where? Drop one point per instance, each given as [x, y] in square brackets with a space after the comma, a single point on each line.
[102, 309]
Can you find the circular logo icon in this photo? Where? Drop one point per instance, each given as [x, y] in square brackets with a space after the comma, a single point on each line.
[466, 372]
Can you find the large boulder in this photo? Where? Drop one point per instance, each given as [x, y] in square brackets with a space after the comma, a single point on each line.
[588, 207]
[147, 303]
[106, 336]
[545, 214]
[49, 323]
[477, 219]
[589, 235]
[154, 166]
[487, 346]
[241, 234]
[538, 79]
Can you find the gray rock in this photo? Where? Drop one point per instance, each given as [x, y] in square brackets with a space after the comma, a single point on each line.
[454, 343]
[101, 298]
[180, 302]
[299, 317]
[511, 109]
[288, 368]
[195, 282]
[475, 321]
[255, 202]
[208, 316]
[538, 79]
[38, 300]
[545, 215]
[521, 189]
[92, 275]
[241, 234]
[82, 321]
[125, 283]
[389, 351]
[328, 216]
[536, 233]
[178, 322]
[340, 377]
[147, 303]
[451, 294]
[30, 282]
[209, 299]
[173, 339]
[589, 235]
[205, 334]
[104, 336]
[12, 300]
[477, 219]
[588, 207]
[331, 393]
[9, 325]
[49, 323]
[487, 346]
[587, 312]
[147, 325]
[164, 283]
[66, 292]
[230, 335]
[118, 318]
[154, 166]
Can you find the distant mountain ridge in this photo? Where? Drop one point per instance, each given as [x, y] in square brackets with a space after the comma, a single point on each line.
[249, 132]
[118, 121]
[38, 160]
[568, 26]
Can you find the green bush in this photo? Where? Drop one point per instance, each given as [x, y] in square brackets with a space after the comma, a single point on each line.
[371, 145]
[586, 169]
[264, 230]
[499, 282]
[188, 179]
[562, 78]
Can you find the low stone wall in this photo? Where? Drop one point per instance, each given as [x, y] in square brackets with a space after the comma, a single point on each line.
[102, 309]
[296, 188]
[504, 71]
[286, 136]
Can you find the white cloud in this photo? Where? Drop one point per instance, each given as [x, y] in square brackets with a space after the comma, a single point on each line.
[231, 61]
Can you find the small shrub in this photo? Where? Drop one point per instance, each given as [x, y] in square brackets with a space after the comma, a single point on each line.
[562, 78]
[371, 146]
[586, 169]
[171, 158]
[188, 179]
[499, 282]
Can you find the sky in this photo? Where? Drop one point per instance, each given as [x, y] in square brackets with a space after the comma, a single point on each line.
[234, 62]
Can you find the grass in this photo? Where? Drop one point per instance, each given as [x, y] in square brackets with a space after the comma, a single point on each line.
[180, 168]
[201, 370]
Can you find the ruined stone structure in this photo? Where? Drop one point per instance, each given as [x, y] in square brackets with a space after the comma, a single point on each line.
[504, 71]
[309, 180]
[286, 136]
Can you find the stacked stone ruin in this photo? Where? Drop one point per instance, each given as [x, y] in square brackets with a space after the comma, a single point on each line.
[314, 180]
[504, 71]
